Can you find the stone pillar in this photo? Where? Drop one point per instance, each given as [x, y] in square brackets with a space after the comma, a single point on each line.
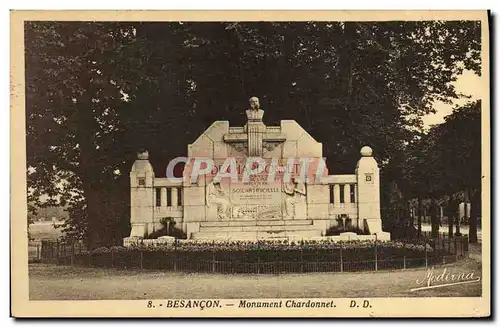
[359, 223]
[367, 176]
[256, 132]
[142, 196]
[336, 195]
[163, 196]
[347, 193]
[174, 197]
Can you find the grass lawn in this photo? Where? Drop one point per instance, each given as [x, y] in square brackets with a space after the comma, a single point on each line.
[51, 282]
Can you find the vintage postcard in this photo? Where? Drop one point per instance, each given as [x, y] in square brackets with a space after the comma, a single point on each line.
[250, 164]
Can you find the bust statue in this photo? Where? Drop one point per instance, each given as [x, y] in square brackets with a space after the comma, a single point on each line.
[143, 155]
[254, 114]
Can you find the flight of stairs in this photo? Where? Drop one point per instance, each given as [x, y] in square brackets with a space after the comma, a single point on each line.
[256, 229]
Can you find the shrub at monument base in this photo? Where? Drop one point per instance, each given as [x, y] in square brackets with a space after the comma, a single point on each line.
[263, 256]
[168, 229]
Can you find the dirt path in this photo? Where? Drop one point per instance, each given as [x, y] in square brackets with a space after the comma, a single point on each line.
[48, 282]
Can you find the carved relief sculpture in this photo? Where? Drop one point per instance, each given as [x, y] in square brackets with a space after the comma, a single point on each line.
[295, 199]
[289, 201]
[217, 196]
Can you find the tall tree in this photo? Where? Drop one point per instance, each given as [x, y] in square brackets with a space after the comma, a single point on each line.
[449, 162]
[459, 151]
[73, 103]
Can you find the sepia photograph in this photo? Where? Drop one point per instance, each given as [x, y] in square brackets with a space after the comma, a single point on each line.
[269, 164]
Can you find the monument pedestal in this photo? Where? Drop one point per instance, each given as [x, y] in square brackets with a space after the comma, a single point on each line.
[256, 229]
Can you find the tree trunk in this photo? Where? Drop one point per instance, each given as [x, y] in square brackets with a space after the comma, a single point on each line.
[457, 219]
[450, 218]
[346, 63]
[412, 214]
[450, 221]
[475, 202]
[94, 220]
[419, 215]
[434, 214]
[89, 176]
[407, 213]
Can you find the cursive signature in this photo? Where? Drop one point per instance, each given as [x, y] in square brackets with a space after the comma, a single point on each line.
[435, 279]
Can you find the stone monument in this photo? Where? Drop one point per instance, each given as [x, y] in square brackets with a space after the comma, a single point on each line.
[258, 188]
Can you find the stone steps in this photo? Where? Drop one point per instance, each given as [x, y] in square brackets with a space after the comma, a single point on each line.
[255, 228]
[254, 222]
[255, 235]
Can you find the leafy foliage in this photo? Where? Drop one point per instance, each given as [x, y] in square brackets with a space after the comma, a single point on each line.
[266, 245]
[446, 162]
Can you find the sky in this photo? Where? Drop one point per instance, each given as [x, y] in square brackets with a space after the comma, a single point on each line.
[468, 83]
